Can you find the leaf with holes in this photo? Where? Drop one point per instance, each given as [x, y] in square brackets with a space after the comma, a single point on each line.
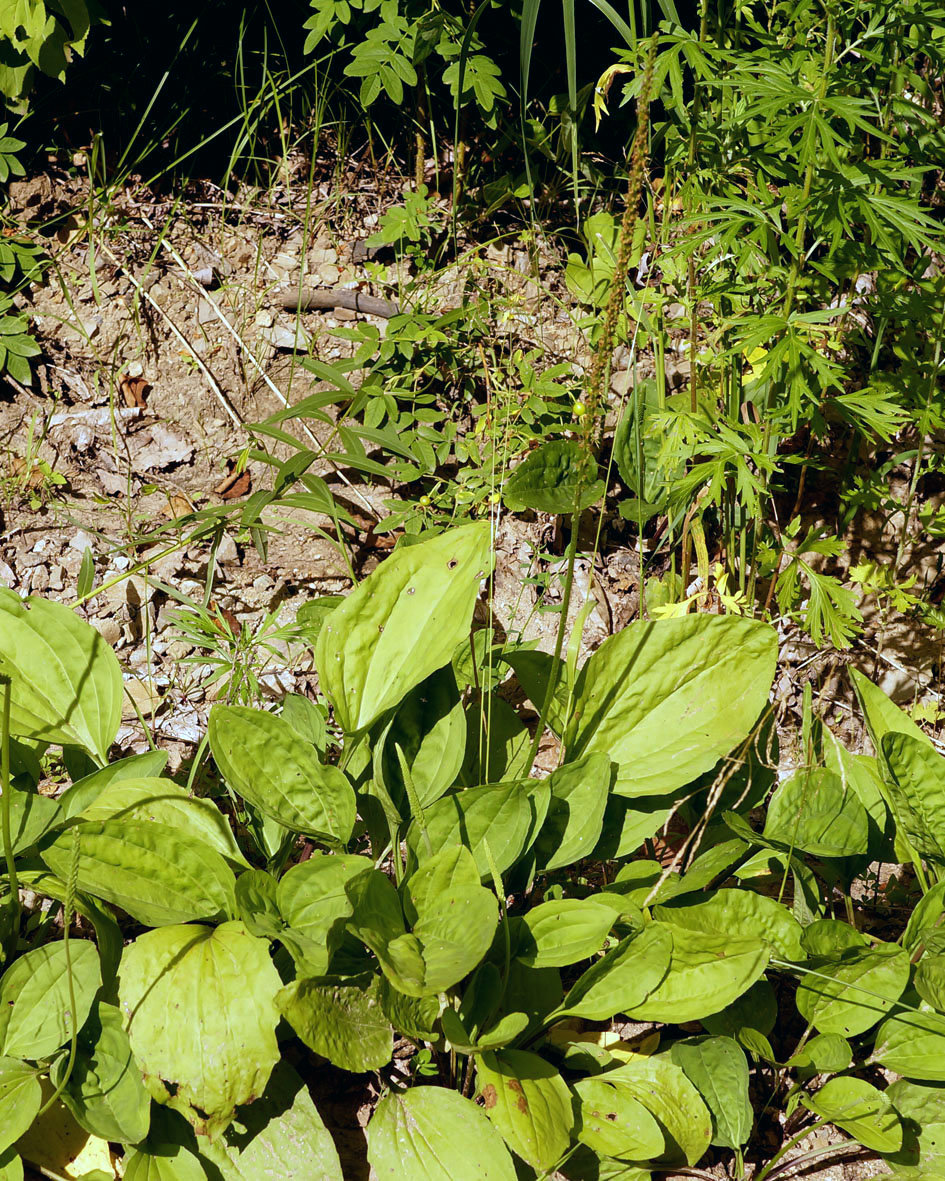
[199, 1006]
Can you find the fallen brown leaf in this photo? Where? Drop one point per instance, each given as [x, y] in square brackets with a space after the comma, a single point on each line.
[134, 390]
[234, 484]
[231, 621]
[178, 505]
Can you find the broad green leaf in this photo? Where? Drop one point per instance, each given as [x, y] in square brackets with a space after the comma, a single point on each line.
[430, 729]
[850, 993]
[860, 1110]
[36, 1015]
[415, 1017]
[559, 478]
[916, 793]
[199, 1006]
[555, 934]
[31, 817]
[157, 874]
[922, 1107]
[497, 743]
[707, 973]
[862, 774]
[453, 917]
[501, 815]
[739, 913]
[615, 1123]
[929, 980]
[756, 1009]
[104, 1090]
[432, 1134]
[21, 1097]
[311, 899]
[84, 792]
[305, 718]
[530, 1104]
[345, 1023]
[712, 863]
[257, 903]
[882, 716]
[533, 671]
[815, 813]
[162, 801]
[912, 1043]
[926, 917]
[718, 1069]
[11, 1166]
[628, 823]
[824, 1053]
[623, 978]
[666, 700]
[665, 1091]
[402, 623]
[282, 1135]
[265, 761]
[173, 1163]
[575, 820]
[66, 683]
[378, 921]
[586, 1165]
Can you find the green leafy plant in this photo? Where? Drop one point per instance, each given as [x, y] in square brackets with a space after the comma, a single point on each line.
[453, 901]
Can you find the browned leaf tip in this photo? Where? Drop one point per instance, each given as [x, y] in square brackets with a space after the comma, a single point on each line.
[234, 484]
[134, 390]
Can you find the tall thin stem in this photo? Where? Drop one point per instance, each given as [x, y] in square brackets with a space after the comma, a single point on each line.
[14, 904]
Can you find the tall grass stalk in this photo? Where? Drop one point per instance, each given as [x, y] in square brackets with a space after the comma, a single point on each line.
[598, 381]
